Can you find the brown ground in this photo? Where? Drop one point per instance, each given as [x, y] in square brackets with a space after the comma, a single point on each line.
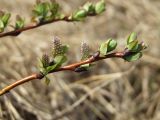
[113, 89]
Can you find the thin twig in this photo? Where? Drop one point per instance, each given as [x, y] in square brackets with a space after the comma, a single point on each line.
[71, 67]
[18, 31]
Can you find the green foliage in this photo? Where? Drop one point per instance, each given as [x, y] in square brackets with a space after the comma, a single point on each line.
[82, 68]
[4, 18]
[107, 46]
[79, 15]
[19, 22]
[1, 26]
[132, 42]
[53, 7]
[58, 57]
[88, 9]
[59, 60]
[133, 57]
[132, 52]
[132, 37]
[100, 7]
[134, 47]
[64, 49]
[41, 10]
[44, 11]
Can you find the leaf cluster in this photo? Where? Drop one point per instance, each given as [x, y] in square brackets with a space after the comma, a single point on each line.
[132, 52]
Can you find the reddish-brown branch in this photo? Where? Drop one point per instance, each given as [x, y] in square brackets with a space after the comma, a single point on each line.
[70, 67]
[18, 31]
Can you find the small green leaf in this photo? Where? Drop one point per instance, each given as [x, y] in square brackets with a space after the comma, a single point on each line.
[41, 68]
[112, 44]
[100, 7]
[47, 80]
[49, 69]
[1, 26]
[133, 57]
[131, 38]
[133, 46]
[54, 7]
[41, 10]
[103, 48]
[82, 68]
[86, 65]
[89, 7]
[79, 15]
[5, 18]
[141, 46]
[19, 22]
[108, 46]
[64, 48]
[60, 59]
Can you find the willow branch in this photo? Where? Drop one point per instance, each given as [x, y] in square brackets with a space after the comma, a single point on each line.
[71, 67]
[18, 31]
[33, 26]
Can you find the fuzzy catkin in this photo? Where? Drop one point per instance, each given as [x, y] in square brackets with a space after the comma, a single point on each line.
[45, 60]
[57, 47]
[84, 50]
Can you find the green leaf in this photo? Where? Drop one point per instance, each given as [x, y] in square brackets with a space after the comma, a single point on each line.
[41, 10]
[100, 7]
[47, 80]
[5, 18]
[19, 24]
[86, 65]
[108, 46]
[131, 37]
[133, 46]
[60, 59]
[89, 7]
[49, 69]
[1, 26]
[59, 16]
[112, 44]
[40, 66]
[64, 48]
[82, 68]
[103, 48]
[141, 47]
[54, 7]
[133, 57]
[79, 15]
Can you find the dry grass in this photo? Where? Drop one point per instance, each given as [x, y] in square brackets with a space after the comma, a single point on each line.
[107, 92]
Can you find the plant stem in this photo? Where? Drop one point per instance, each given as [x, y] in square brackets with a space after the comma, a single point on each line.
[70, 67]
